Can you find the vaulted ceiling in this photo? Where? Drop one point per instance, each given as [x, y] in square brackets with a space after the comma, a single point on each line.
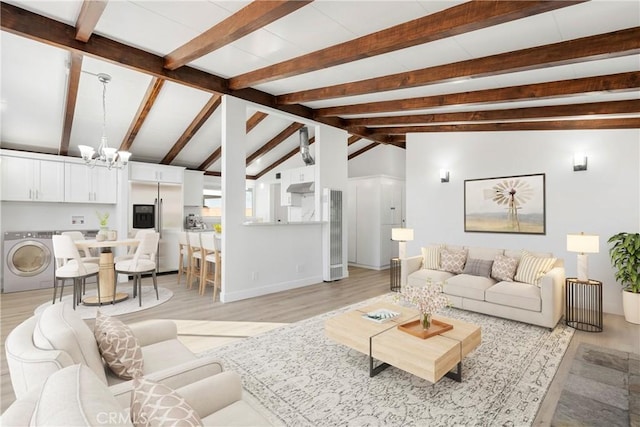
[379, 69]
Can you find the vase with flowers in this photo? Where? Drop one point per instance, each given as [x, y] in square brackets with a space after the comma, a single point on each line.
[103, 218]
[427, 299]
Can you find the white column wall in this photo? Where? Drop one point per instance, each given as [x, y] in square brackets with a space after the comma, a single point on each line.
[261, 259]
[603, 200]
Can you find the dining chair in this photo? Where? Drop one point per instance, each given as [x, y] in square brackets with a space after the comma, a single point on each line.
[69, 265]
[195, 258]
[183, 254]
[132, 249]
[208, 266]
[143, 262]
[210, 263]
[85, 254]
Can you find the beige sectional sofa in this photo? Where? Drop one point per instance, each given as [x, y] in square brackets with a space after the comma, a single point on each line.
[519, 285]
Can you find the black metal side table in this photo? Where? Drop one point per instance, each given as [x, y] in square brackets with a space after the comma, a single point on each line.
[394, 270]
[583, 304]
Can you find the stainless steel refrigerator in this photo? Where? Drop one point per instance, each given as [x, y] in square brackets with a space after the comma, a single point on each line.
[167, 219]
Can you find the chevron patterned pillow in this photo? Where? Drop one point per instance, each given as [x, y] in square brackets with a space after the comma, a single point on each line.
[154, 404]
[118, 346]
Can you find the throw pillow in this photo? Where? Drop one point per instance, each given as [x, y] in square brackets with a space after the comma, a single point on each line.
[452, 261]
[531, 268]
[118, 346]
[504, 268]
[154, 404]
[478, 267]
[431, 258]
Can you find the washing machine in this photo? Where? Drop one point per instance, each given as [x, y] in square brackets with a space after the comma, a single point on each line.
[28, 261]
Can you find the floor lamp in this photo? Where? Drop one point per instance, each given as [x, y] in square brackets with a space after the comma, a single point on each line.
[402, 236]
[583, 244]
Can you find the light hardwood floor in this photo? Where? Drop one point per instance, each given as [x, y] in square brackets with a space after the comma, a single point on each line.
[293, 306]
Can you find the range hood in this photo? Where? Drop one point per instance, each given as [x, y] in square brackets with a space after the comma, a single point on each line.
[301, 187]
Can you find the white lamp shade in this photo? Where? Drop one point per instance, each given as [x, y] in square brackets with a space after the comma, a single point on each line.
[124, 156]
[583, 243]
[402, 234]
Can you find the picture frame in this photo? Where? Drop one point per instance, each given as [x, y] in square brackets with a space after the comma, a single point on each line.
[507, 204]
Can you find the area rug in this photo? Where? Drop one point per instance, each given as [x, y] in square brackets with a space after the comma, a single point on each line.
[307, 380]
[127, 306]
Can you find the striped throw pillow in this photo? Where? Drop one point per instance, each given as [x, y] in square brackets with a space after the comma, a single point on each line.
[531, 268]
[431, 257]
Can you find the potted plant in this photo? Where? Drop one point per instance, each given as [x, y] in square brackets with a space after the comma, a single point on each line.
[625, 257]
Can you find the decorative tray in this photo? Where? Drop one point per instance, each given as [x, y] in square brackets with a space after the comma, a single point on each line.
[381, 315]
[415, 328]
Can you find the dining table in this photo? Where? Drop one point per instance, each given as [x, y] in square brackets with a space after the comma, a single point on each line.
[107, 272]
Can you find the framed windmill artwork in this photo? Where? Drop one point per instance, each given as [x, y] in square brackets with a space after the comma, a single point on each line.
[510, 204]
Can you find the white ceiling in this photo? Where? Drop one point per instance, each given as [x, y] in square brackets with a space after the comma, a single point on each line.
[35, 76]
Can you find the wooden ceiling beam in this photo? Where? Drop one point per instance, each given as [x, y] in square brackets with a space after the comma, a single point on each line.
[274, 142]
[255, 120]
[453, 21]
[88, 18]
[143, 111]
[202, 117]
[45, 30]
[614, 82]
[72, 96]
[602, 46]
[353, 139]
[282, 159]
[252, 17]
[587, 109]
[211, 159]
[618, 123]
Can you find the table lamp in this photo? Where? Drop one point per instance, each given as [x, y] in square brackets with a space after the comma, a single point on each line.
[402, 235]
[583, 244]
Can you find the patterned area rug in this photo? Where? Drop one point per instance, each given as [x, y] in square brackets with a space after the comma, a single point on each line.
[129, 305]
[307, 380]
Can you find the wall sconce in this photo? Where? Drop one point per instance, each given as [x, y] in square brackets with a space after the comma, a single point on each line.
[579, 162]
[444, 175]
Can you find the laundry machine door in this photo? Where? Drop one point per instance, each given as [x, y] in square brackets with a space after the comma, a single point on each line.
[28, 258]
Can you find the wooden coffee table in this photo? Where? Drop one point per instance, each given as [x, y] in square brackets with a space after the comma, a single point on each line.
[430, 358]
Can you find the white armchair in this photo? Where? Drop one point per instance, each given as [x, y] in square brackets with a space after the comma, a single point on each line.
[58, 338]
[75, 396]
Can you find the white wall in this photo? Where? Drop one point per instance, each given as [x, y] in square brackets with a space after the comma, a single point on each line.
[383, 160]
[37, 216]
[603, 200]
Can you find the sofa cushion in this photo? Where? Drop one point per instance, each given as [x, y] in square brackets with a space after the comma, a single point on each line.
[477, 252]
[467, 286]
[431, 257]
[154, 404]
[164, 355]
[239, 413]
[61, 328]
[515, 294]
[504, 268]
[532, 268]
[478, 267]
[420, 277]
[453, 261]
[119, 347]
[74, 396]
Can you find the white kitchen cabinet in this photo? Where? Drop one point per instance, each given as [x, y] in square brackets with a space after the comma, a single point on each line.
[303, 174]
[375, 207]
[192, 188]
[155, 173]
[25, 179]
[90, 185]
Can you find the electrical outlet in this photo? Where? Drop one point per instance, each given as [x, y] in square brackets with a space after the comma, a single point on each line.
[76, 219]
